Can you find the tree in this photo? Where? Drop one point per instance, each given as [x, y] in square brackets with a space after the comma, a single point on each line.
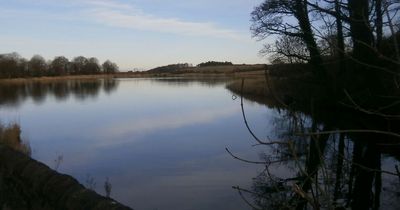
[93, 66]
[214, 63]
[59, 66]
[78, 65]
[37, 66]
[328, 21]
[287, 49]
[109, 67]
[10, 65]
[370, 90]
[274, 17]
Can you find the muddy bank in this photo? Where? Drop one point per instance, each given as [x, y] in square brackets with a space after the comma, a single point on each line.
[29, 184]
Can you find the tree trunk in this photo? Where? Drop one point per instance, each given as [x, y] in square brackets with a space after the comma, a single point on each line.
[363, 49]
[314, 160]
[339, 167]
[301, 14]
[362, 196]
[340, 51]
[378, 23]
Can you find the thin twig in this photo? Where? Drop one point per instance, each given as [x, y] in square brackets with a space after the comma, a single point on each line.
[244, 198]
[244, 116]
[358, 107]
[253, 162]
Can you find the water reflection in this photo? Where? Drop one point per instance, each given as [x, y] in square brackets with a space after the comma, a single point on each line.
[13, 94]
[147, 138]
[141, 127]
[187, 81]
[165, 139]
[329, 164]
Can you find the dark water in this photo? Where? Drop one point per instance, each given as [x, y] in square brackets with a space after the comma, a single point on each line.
[161, 142]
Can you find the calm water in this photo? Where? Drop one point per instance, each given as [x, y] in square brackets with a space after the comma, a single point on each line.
[161, 142]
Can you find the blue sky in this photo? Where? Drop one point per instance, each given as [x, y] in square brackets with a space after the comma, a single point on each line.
[133, 33]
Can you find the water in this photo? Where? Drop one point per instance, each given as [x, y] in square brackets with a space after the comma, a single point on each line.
[161, 142]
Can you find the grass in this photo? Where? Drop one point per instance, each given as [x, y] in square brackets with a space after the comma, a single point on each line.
[56, 78]
[10, 135]
[280, 85]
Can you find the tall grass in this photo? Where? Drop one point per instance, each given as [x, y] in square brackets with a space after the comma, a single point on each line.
[10, 135]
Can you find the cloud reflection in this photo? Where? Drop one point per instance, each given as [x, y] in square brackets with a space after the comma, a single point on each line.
[123, 132]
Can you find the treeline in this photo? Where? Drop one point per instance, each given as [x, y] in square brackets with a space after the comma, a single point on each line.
[186, 66]
[12, 65]
[171, 67]
[215, 63]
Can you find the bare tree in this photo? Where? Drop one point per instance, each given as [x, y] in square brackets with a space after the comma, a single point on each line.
[287, 49]
[78, 65]
[38, 66]
[289, 18]
[59, 66]
[109, 67]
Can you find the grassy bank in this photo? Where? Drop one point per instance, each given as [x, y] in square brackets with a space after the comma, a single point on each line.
[279, 86]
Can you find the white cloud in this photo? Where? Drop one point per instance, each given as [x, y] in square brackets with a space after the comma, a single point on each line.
[116, 14]
[109, 4]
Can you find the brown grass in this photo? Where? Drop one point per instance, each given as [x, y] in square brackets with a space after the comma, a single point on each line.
[56, 78]
[10, 135]
[283, 85]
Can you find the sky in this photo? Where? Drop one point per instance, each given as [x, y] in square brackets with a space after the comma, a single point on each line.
[135, 34]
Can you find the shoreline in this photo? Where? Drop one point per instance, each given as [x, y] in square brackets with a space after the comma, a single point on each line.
[256, 73]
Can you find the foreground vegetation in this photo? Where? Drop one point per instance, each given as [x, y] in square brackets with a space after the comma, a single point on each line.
[10, 136]
[336, 87]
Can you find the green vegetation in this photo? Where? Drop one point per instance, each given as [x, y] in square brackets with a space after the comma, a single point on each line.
[13, 65]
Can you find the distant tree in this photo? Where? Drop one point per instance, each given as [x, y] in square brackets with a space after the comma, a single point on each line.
[215, 63]
[78, 65]
[9, 65]
[12, 65]
[38, 66]
[23, 68]
[59, 66]
[92, 66]
[170, 68]
[109, 67]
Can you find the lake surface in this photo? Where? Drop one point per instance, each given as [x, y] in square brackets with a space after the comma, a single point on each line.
[160, 142]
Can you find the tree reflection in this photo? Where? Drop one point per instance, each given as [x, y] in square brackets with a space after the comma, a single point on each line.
[332, 170]
[110, 85]
[14, 93]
